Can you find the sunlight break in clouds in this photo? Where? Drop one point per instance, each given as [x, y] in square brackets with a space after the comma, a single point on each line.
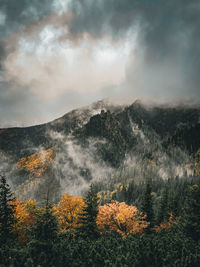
[50, 66]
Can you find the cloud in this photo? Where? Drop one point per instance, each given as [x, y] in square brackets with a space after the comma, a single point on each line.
[14, 16]
[66, 53]
[49, 65]
[2, 18]
[61, 6]
[167, 39]
[23, 12]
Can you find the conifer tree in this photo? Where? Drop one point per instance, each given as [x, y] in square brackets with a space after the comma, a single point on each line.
[46, 227]
[87, 218]
[191, 215]
[163, 212]
[44, 237]
[7, 219]
[147, 204]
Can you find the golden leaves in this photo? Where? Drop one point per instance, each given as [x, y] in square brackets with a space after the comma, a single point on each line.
[25, 214]
[37, 163]
[121, 218]
[67, 211]
[112, 217]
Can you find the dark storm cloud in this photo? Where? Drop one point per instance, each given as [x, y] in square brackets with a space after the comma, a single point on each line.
[169, 31]
[18, 107]
[165, 57]
[160, 21]
[17, 14]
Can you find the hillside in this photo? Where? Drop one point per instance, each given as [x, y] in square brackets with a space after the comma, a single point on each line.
[100, 143]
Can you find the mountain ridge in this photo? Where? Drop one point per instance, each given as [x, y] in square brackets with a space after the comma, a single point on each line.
[96, 142]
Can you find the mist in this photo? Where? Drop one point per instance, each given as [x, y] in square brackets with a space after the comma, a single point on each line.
[78, 163]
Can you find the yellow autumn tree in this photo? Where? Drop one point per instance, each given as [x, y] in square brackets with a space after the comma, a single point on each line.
[25, 214]
[121, 218]
[67, 211]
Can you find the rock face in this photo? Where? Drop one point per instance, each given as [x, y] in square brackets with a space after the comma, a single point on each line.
[99, 142]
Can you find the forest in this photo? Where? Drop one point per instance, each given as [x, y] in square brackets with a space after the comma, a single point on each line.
[151, 223]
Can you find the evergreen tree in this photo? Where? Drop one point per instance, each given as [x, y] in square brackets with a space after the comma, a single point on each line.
[44, 238]
[7, 219]
[147, 203]
[191, 219]
[173, 205]
[87, 219]
[163, 212]
[45, 228]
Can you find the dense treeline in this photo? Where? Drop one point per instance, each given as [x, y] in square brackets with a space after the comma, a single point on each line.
[154, 223]
[173, 190]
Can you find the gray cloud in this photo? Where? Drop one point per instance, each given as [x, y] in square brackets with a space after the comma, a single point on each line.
[168, 35]
[163, 59]
[16, 14]
[2, 18]
[22, 12]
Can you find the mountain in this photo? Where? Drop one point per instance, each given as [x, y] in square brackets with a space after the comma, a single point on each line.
[101, 143]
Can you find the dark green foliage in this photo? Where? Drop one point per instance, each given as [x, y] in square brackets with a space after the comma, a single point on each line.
[164, 249]
[29, 263]
[87, 218]
[46, 227]
[178, 247]
[44, 238]
[191, 217]
[163, 212]
[7, 219]
[147, 204]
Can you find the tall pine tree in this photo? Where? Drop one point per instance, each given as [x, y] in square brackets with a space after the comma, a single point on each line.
[45, 228]
[87, 218]
[7, 219]
[147, 204]
[44, 238]
[163, 212]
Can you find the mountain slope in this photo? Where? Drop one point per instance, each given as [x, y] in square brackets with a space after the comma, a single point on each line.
[101, 142]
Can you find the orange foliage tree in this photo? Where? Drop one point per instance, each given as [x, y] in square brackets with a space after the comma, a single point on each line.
[121, 218]
[67, 211]
[37, 163]
[166, 226]
[25, 214]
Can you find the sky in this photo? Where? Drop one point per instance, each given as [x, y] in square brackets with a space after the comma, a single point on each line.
[59, 55]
